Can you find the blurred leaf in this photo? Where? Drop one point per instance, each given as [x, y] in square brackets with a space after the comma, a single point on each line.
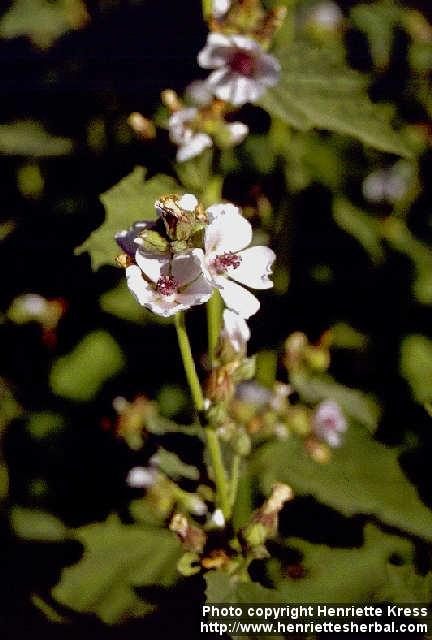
[175, 468]
[317, 90]
[172, 399]
[416, 366]
[33, 524]
[364, 228]
[354, 403]
[118, 558]
[120, 302]
[82, 372]
[194, 174]
[378, 21]
[405, 585]
[129, 200]
[363, 476]
[43, 21]
[343, 575]
[29, 138]
[44, 424]
[343, 336]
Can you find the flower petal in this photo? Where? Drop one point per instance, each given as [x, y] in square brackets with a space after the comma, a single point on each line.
[197, 292]
[236, 330]
[235, 88]
[229, 231]
[126, 239]
[268, 70]
[137, 285]
[238, 131]
[239, 299]
[255, 268]
[188, 202]
[216, 51]
[221, 208]
[187, 267]
[194, 147]
[152, 265]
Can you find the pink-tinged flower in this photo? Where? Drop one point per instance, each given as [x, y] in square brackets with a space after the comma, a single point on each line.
[228, 261]
[167, 285]
[190, 142]
[236, 330]
[242, 70]
[329, 423]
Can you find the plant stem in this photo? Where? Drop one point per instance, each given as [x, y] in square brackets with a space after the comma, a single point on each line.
[213, 445]
[188, 362]
[214, 317]
[234, 481]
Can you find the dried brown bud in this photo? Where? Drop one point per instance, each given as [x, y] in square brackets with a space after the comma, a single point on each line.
[192, 537]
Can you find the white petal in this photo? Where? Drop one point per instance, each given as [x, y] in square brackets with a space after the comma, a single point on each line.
[239, 299]
[153, 266]
[238, 131]
[221, 208]
[199, 93]
[243, 42]
[236, 329]
[197, 292]
[216, 52]
[255, 268]
[188, 202]
[137, 285]
[220, 7]
[165, 306]
[236, 88]
[268, 70]
[186, 267]
[194, 147]
[182, 117]
[228, 232]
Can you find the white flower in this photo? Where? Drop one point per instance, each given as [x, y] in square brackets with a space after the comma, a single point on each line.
[243, 71]
[165, 285]
[236, 330]
[227, 260]
[329, 422]
[190, 143]
[127, 239]
[326, 15]
[220, 7]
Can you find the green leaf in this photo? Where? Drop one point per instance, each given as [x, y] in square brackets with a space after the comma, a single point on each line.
[43, 21]
[82, 372]
[30, 138]
[343, 575]
[118, 559]
[378, 21]
[34, 524]
[416, 366]
[317, 90]
[175, 468]
[129, 200]
[120, 302]
[363, 477]
[363, 227]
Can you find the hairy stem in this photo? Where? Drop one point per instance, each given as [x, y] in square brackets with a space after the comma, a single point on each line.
[214, 317]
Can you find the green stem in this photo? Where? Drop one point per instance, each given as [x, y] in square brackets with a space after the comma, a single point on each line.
[221, 481]
[188, 362]
[235, 475]
[213, 444]
[214, 321]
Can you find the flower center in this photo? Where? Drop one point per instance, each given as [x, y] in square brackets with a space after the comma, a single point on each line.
[166, 285]
[242, 62]
[226, 260]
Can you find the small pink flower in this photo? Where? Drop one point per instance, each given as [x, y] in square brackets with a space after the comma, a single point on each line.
[329, 423]
[242, 70]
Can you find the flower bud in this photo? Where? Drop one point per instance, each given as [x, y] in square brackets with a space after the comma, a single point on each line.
[143, 127]
[192, 537]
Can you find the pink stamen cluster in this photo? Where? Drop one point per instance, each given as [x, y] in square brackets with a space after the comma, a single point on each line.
[226, 260]
[242, 62]
[166, 285]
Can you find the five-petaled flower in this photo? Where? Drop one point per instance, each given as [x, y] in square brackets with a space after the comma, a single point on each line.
[242, 70]
[228, 261]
